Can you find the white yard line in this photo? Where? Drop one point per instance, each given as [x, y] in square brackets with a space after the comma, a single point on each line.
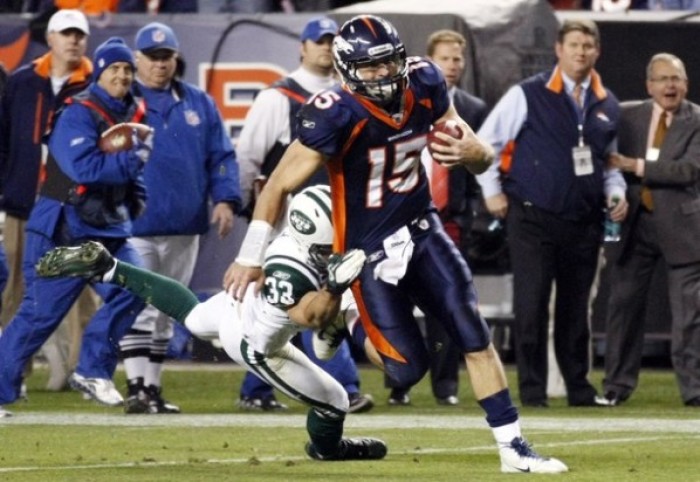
[655, 425]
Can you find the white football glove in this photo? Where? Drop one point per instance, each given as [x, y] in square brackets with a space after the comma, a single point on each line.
[143, 145]
[344, 269]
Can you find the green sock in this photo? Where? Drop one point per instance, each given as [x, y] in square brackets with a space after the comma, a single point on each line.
[165, 294]
[325, 433]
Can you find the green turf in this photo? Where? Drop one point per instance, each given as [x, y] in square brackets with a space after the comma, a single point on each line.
[593, 449]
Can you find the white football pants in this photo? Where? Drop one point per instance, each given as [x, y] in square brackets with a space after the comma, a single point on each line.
[289, 369]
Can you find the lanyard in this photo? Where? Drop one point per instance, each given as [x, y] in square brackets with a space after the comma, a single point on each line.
[580, 117]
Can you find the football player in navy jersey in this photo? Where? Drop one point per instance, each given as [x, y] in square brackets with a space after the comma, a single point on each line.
[303, 289]
[369, 133]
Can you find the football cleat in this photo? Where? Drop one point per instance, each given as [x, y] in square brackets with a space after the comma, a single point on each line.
[137, 398]
[157, 403]
[360, 403]
[399, 397]
[137, 403]
[450, 401]
[519, 457]
[4, 413]
[90, 260]
[364, 448]
[101, 390]
[268, 404]
[326, 341]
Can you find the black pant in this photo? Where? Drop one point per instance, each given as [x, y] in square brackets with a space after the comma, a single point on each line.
[546, 249]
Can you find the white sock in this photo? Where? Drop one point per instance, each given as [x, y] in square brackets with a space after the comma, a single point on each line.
[505, 434]
[153, 372]
[136, 367]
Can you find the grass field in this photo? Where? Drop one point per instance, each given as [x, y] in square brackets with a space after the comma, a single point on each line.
[59, 436]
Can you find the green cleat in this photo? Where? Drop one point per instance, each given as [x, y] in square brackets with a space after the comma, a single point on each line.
[90, 260]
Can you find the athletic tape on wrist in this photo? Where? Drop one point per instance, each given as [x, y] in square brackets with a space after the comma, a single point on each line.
[252, 253]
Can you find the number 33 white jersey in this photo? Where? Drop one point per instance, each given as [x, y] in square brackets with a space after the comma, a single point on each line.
[256, 331]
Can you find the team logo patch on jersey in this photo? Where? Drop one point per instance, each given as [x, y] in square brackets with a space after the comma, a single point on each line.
[281, 274]
[301, 222]
[192, 118]
[307, 124]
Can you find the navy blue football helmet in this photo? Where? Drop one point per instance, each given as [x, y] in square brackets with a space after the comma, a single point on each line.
[366, 40]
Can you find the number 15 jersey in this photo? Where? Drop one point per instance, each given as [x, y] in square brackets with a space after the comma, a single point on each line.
[377, 181]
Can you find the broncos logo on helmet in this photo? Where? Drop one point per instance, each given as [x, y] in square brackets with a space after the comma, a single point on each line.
[366, 41]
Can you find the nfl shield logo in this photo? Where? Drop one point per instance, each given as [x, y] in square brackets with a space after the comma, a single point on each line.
[192, 118]
[158, 36]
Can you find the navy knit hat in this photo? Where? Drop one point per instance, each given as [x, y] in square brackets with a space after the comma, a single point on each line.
[112, 50]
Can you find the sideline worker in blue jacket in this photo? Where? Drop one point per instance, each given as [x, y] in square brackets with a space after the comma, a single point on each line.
[88, 194]
[192, 162]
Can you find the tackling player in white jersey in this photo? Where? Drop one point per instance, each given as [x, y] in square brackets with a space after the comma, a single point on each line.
[302, 289]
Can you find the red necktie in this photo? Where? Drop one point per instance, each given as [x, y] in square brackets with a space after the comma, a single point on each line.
[440, 185]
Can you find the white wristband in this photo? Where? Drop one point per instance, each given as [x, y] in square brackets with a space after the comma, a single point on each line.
[252, 252]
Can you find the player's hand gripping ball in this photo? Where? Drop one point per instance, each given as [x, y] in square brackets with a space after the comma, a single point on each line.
[120, 137]
[448, 127]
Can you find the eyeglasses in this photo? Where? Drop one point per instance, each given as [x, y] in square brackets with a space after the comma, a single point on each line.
[666, 79]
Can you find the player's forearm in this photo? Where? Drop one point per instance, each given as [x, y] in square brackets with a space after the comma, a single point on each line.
[480, 158]
[316, 309]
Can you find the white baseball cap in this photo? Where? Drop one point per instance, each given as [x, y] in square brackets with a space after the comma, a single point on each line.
[67, 19]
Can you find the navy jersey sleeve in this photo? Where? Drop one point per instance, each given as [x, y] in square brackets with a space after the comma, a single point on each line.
[428, 81]
[325, 122]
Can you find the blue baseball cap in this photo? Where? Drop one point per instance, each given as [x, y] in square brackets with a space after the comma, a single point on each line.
[156, 36]
[319, 27]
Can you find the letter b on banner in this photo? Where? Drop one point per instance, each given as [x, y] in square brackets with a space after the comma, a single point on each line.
[234, 87]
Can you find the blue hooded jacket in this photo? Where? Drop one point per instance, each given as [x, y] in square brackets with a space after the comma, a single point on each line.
[192, 161]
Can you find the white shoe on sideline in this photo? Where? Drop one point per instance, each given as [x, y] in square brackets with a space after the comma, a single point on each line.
[519, 457]
[101, 390]
[4, 413]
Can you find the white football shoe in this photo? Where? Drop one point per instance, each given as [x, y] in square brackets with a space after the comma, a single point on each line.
[101, 390]
[519, 457]
[4, 413]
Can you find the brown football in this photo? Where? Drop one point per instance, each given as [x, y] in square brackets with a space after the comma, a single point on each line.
[119, 137]
[449, 127]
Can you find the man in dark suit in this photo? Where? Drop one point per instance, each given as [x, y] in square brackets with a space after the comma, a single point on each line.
[659, 152]
[455, 203]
